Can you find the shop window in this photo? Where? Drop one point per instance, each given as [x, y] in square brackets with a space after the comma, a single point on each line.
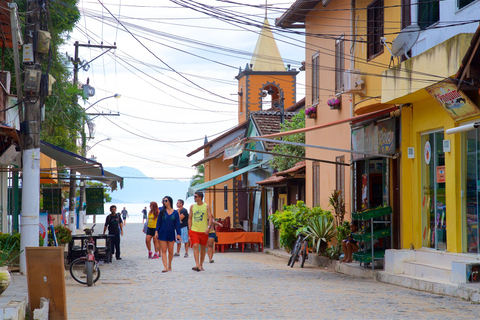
[339, 64]
[316, 184]
[428, 13]
[463, 3]
[225, 198]
[433, 199]
[315, 78]
[374, 28]
[340, 176]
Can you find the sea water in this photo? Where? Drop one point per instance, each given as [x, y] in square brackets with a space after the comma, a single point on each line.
[135, 214]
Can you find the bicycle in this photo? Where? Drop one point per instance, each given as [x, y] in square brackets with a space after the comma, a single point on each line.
[85, 270]
[299, 250]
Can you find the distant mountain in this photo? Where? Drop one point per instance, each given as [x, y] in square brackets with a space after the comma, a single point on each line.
[143, 189]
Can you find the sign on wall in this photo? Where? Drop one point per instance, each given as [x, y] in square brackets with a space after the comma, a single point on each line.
[375, 138]
[52, 200]
[456, 103]
[94, 197]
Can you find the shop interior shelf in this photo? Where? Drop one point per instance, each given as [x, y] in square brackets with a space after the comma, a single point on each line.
[366, 257]
[371, 213]
[377, 234]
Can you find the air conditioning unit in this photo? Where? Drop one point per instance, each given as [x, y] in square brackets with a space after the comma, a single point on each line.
[352, 81]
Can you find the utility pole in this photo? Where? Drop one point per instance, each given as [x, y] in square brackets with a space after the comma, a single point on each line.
[71, 208]
[30, 129]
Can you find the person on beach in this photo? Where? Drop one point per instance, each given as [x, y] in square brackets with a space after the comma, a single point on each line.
[350, 246]
[212, 238]
[114, 224]
[199, 225]
[144, 213]
[167, 224]
[124, 215]
[151, 228]
[183, 228]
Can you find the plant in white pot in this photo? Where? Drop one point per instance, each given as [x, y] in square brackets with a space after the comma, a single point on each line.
[9, 251]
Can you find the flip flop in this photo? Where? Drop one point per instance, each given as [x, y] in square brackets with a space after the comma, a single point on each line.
[196, 269]
[211, 261]
[164, 271]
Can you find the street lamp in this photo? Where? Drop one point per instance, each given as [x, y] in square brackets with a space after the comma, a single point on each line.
[116, 96]
[84, 154]
[89, 148]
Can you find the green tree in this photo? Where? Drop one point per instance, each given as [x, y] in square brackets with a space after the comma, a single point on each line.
[283, 163]
[63, 116]
[198, 178]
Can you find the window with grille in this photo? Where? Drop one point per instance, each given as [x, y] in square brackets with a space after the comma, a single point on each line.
[428, 13]
[340, 176]
[225, 198]
[339, 64]
[316, 184]
[315, 78]
[374, 28]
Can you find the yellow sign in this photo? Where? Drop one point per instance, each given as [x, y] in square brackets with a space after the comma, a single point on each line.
[456, 103]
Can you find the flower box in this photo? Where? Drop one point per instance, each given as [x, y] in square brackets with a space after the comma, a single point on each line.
[334, 103]
[311, 113]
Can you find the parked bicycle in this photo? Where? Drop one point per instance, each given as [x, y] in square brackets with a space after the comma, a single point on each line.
[85, 270]
[299, 251]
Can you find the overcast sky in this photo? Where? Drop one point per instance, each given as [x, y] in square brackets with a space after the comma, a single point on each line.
[175, 69]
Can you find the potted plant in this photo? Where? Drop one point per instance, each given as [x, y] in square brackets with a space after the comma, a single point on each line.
[334, 103]
[321, 230]
[9, 251]
[311, 112]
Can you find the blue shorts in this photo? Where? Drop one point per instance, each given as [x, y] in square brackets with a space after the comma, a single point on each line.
[212, 235]
[184, 235]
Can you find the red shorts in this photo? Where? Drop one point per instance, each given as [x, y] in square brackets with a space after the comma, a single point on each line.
[197, 237]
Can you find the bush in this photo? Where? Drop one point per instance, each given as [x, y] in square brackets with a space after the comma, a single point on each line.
[293, 218]
[335, 250]
[9, 248]
[320, 230]
[63, 235]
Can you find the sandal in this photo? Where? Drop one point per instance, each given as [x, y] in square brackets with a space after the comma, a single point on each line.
[211, 261]
[196, 269]
[164, 271]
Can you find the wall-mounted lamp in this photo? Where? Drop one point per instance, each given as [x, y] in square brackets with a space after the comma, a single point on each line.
[463, 128]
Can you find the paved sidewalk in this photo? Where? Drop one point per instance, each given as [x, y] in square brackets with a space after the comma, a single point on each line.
[244, 285]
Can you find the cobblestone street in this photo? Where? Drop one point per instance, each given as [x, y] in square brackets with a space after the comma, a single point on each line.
[243, 285]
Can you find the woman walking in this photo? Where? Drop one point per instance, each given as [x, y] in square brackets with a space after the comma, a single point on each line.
[151, 228]
[167, 224]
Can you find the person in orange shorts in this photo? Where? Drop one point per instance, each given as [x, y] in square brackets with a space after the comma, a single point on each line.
[199, 225]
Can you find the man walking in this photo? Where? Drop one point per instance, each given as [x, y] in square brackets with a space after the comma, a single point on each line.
[115, 227]
[124, 215]
[183, 228]
[199, 225]
[144, 212]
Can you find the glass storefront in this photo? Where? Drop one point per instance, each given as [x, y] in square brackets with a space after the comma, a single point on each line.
[434, 229]
[472, 181]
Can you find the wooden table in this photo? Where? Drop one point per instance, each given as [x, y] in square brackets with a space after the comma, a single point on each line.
[227, 238]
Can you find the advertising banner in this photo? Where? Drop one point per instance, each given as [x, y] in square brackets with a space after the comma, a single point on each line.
[94, 197]
[456, 103]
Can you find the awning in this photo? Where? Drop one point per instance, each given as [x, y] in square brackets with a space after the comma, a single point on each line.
[86, 167]
[211, 183]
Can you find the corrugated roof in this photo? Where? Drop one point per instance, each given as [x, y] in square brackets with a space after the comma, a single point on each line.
[268, 122]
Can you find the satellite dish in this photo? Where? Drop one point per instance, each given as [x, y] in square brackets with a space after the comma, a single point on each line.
[405, 40]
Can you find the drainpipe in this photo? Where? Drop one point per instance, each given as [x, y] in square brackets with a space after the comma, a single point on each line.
[352, 97]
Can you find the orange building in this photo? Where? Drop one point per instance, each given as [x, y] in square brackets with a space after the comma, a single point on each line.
[230, 180]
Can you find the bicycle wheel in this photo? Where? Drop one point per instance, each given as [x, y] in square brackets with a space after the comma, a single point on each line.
[295, 252]
[303, 256]
[78, 271]
[89, 267]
